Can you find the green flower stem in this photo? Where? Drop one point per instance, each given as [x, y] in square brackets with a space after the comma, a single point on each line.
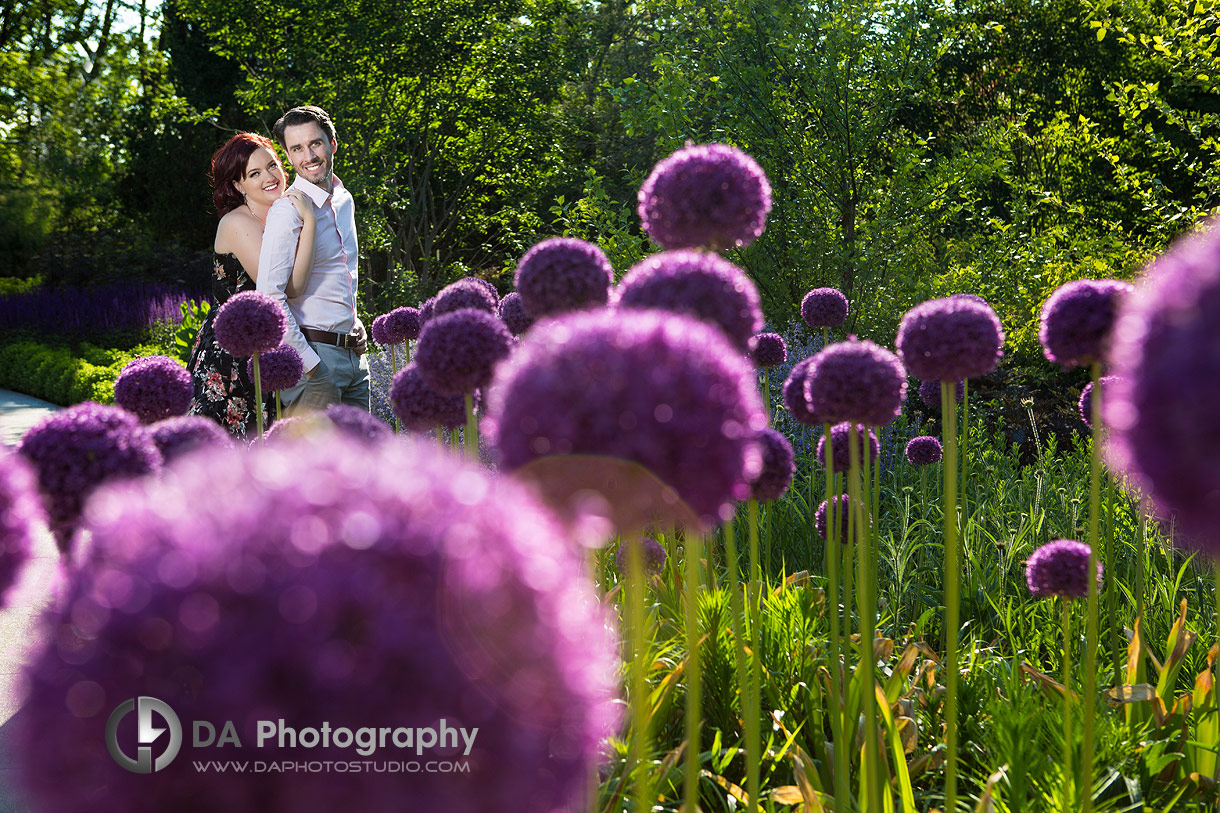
[1067, 700]
[754, 705]
[923, 489]
[858, 490]
[1117, 651]
[393, 375]
[733, 584]
[948, 411]
[834, 609]
[258, 397]
[1090, 645]
[963, 452]
[690, 790]
[279, 406]
[472, 429]
[637, 632]
[766, 386]
[1215, 681]
[440, 435]
[1139, 565]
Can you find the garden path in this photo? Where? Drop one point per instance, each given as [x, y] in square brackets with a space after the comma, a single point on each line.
[18, 413]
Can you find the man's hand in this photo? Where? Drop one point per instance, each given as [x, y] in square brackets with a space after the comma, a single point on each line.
[362, 340]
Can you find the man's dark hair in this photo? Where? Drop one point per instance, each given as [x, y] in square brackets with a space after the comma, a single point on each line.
[305, 114]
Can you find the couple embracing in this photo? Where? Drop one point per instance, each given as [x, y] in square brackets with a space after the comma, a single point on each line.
[296, 244]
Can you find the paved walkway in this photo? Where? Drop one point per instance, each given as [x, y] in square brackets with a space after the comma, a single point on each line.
[18, 413]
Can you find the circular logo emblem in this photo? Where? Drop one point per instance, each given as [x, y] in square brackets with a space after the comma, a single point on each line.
[147, 734]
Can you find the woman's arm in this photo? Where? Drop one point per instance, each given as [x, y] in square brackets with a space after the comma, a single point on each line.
[303, 263]
[241, 235]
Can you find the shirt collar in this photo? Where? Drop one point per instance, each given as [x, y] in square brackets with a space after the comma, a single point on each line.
[316, 193]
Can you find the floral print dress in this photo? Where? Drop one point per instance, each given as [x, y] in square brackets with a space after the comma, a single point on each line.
[223, 389]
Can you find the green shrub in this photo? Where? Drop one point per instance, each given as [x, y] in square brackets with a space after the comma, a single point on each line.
[63, 375]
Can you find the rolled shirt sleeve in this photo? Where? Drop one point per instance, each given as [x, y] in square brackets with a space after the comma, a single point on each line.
[275, 262]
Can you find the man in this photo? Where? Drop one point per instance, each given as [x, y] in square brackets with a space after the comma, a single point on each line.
[322, 322]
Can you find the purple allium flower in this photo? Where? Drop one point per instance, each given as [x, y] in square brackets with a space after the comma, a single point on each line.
[929, 392]
[824, 307]
[425, 312]
[77, 449]
[795, 395]
[457, 352]
[768, 350]
[778, 466]
[359, 423]
[514, 314]
[651, 388]
[1161, 411]
[1077, 319]
[972, 298]
[840, 507]
[950, 339]
[652, 556]
[20, 513]
[1060, 568]
[467, 292]
[839, 434]
[403, 324]
[419, 408]
[153, 388]
[1085, 406]
[178, 436]
[924, 451]
[324, 580]
[278, 369]
[377, 331]
[563, 274]
[250, 322]
[699, 284]
[856, 381]
[709, 196]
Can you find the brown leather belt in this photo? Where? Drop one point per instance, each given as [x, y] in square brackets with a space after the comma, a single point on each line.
[327, 337]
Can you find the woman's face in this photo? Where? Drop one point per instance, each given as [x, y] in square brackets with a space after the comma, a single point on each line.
[264, 178]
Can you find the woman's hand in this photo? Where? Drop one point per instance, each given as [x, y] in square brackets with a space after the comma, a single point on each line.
[302, 204]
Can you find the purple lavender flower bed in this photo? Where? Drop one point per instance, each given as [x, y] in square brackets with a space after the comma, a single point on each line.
[96, 311]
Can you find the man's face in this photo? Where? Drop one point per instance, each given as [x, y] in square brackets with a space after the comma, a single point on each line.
[310, 152]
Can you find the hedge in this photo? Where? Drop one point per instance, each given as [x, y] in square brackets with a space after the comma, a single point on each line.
[63, 375]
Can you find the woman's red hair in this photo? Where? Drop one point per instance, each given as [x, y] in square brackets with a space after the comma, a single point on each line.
[229, 165]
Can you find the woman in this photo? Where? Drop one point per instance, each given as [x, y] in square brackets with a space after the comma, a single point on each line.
[246, 179]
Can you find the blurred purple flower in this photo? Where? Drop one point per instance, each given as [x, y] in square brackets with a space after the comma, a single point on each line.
[425, 312]
[402, 325]
[950, 339]
[278, 369]
[467, 292]
[1060, 568]
[377, 331]
[77, 449]
[232, 590]
[824, 307]
[652, 556]
[796, 397]
[972, 298]
[514, 314]
[840, 507]
[563, 274]
[419, 408]
[358, 423]
[699, 284]
[249, 322]
[178, 436]
[768, 350]
[457, 352]
[653, 388]
[1161, 411]
[20, 514]
[778, 467]
[153, 388]
[839, 434]
[929, 393]
[856, 381]
[1085, 406]
[1077, 319]
[709, 196]
[924, 451]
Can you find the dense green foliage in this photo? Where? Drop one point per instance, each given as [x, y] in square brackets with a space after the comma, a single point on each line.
[63, 374]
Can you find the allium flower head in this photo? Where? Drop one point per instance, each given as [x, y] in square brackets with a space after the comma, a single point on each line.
[465, 293]
[77, 449]
[652, 556]
[929, 393]
[178, 436]
[655, 389]
[250, 322]
[20, 514]
[824, 307]
[278, 369]
[840, 508]
[563, 274]
[778, 466]
[709, 196]
[1060, 568]
[856, 381]
[312, 581]
[1161, 411]
[514, 314]
[839, 436]
[972, 297]
[419, 408]
[1077, 320]
[426, 312]
[401, 325]
[457, 352]
[950, 339]
[768, 350]
[1085, 406]
[924, 451]
[377, 331]
[153, 388]
[796, 397]
[359, 423]
[699, 284]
